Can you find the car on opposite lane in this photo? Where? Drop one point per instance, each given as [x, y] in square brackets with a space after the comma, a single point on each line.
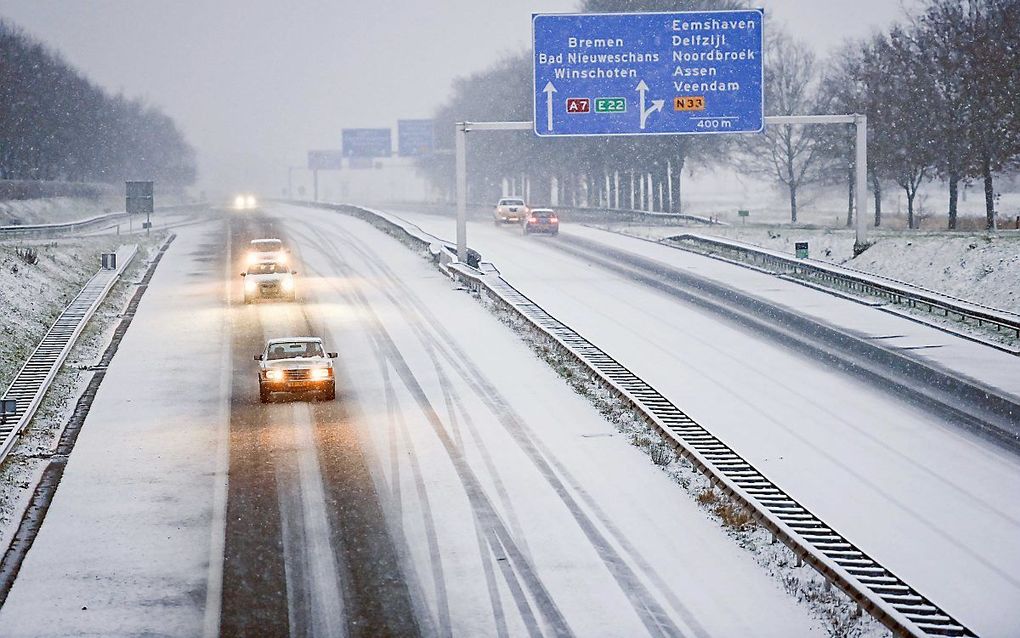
[542, 220]
[269, 280]
[296, 365]
[509, 209]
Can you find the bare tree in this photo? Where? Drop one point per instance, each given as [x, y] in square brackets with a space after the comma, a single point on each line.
[793, 155]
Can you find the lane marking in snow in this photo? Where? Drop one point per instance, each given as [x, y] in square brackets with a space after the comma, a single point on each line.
[218, 530]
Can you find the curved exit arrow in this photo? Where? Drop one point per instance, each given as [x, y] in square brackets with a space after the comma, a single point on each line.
[657, 105]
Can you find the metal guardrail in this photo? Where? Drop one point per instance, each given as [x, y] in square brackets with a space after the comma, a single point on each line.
[853, 280]
[575, 213]
[20, 230]
[34, 378]
[44, 230]
[877, 590]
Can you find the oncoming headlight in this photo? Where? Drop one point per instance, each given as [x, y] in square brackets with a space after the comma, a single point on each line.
[274, 375]
[239, 202]
[287, 284]
[249, 201]
[250, 285]
[320, 374]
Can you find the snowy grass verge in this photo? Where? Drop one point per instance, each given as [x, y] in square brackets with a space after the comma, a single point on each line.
[21, 471]
[979, 267]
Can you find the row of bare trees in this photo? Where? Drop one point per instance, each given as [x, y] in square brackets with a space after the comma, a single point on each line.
[57, 125]
[940, 93]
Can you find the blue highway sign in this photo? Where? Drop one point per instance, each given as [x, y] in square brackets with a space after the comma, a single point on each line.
[367, 142]
[415, 138]
[325, 160]
[648, 73]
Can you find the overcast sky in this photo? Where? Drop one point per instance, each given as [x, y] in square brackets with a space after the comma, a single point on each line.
[255, 83]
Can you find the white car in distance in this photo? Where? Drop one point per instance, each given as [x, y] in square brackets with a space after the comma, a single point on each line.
[269, 280]
[509, 209]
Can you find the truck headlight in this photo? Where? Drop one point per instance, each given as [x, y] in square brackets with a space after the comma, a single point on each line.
[320, 374]
[239, 202]
[249, 201]
[250, 285]
[287, 284]
[274, 375]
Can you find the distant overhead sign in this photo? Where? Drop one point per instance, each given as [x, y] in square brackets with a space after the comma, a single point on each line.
[648, 73]
[367, 142]
[325, 160]
[415, 137]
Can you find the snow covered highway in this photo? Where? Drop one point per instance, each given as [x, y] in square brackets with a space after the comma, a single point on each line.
[931, 501]
[455, 487]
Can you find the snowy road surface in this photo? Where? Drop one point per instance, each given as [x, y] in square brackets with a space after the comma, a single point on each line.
[937, 506]
[457, 486]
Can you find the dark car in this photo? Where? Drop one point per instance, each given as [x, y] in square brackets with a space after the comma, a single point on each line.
[542, 220]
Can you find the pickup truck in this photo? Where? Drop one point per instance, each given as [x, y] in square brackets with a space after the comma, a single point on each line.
[296, 365]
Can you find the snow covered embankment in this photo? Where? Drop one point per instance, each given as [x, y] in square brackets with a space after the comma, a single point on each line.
[980, 268]
[32, 297]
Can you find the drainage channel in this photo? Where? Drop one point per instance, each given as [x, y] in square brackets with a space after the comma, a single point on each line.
[876, 589]
[42, 365]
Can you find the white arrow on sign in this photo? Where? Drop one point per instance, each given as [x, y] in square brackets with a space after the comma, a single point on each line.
[657, 105]
[549, 90]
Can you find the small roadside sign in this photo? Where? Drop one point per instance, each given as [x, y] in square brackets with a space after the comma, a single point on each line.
[681, 71]
[8, 408]
[801, 248]
[139, 197]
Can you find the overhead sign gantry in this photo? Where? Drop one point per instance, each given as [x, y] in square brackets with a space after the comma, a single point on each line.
[669, 73]
[648, 73]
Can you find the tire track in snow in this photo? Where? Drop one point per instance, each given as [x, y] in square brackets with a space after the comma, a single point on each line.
[655, 619]
[481, 506]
